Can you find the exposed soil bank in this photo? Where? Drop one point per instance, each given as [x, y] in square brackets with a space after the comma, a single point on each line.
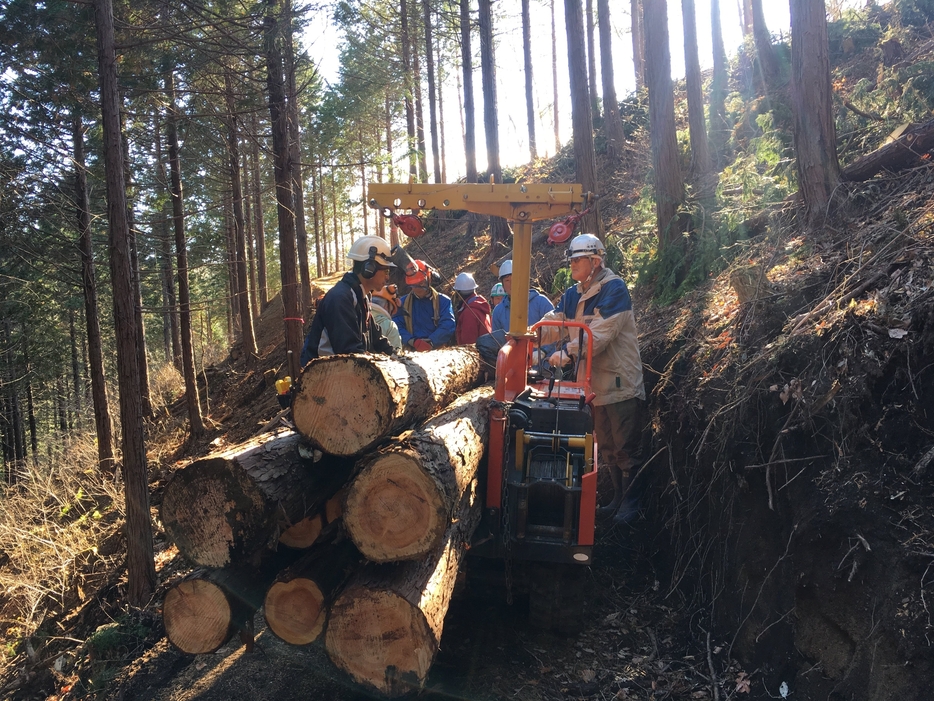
[792, 496]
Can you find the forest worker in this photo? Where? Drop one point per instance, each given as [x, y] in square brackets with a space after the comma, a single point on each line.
[601, 300]
[539, 304]
[425, 317]
[497, 295]
[343, 322]
[472, 310]
[385, 303]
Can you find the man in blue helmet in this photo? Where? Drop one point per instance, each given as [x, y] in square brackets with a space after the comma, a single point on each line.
[601, 300]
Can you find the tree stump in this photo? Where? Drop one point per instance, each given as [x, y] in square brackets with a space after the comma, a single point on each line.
[750, 283]
[229, 506]
[346, 404]
[385, 627]
[402, 500]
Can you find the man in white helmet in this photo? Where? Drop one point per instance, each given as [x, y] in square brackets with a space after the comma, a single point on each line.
[601, 300]
[343, 322]
[472, 311]
[539, 304]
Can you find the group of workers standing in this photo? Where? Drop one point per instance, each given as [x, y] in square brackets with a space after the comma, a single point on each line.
[364, 313]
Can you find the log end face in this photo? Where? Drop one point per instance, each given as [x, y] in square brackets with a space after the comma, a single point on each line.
[342, 404]
[394, 511]
[334, 508]
[295, 610]
[197, 616]
[211, 511]
[380, 640]
[303, 534]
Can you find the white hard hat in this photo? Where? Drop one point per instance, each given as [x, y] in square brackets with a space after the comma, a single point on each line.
[371, 248]
[464, 283]
[505, 269]
[585, 245]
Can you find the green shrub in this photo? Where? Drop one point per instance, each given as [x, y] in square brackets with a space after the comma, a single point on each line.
[852, 34]
[117, 640]
[915, 13]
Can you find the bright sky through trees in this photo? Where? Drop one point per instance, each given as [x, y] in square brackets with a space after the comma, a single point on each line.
[322, 42]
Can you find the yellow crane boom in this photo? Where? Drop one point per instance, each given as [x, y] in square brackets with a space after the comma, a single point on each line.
[518, 203]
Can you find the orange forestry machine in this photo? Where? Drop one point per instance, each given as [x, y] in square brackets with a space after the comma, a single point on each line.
[540, 481]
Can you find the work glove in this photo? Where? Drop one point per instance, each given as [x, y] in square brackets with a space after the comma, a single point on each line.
[422, 344]
[559, 359]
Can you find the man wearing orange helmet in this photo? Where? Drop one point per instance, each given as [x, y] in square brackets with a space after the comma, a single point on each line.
[343, 322]
[425, 317]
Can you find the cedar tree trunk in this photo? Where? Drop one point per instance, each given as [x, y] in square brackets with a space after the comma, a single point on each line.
[141, 572]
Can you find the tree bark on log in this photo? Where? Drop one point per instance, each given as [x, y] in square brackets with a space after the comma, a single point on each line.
[385, 627]
[903, 152]
[346, 404]
[227, 507]
[203, 611]
[296, 604]
[402, 500]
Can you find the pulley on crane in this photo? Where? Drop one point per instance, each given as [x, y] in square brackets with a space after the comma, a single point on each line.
[563, 230]
[410, 224]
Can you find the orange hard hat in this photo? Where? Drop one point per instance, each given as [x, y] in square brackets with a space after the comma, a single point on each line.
[391, 294]
[422, 273]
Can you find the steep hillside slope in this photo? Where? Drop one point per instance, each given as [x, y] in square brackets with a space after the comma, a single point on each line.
[793, 494]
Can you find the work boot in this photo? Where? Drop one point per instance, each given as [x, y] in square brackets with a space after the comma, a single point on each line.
[620, 485]
[627, 511]
[611, 508]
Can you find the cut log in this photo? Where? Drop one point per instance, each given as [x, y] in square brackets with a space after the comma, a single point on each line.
[346, 404]
[385, 627]
[297, 602]
[226, 508]
[303, 534]
[903, 151]
[400, 504]
[334, 509]
[203, 611]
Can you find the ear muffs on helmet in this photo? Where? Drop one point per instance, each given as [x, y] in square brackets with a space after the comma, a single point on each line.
[370, 266]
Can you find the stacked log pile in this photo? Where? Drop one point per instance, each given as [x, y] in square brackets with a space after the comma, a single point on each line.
[349, 531]
[228, 507]
[346, 404]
